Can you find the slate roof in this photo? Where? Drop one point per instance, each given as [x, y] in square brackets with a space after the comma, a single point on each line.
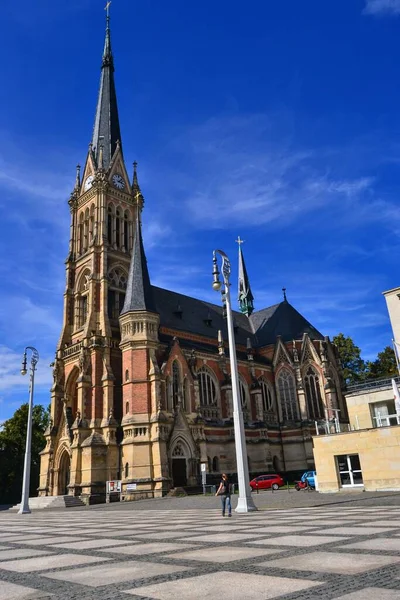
[139, 292]
[106, 130]
[195, 316]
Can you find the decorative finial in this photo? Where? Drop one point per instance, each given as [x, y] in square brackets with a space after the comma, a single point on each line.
[100, 161]
[107, 9]
[239, 241]
[78, 177]
[284, 294]
[221, 347]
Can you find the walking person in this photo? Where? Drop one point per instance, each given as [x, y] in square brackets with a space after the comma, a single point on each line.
[224, 491]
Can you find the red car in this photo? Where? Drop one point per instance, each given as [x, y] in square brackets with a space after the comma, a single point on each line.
[265, 482]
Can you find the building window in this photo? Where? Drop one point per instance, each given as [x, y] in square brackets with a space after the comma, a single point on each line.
[176, 383]
[267, 398]
[349, 470]
[109, 225]
[118, 229]
[126, 231]
[208, 393]
[287, 396]
[126, 470]
[84, 310]
[384, 414]
[215, 464]
[186, 395]
[244, 398]
[127, 408]
[313, 395]
[117, 282]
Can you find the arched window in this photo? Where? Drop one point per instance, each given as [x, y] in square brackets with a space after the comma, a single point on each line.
[313, 395]
[266, 395]
[244, 398]
[117, 281]
[186, 395]
[126, 375]
[80, 234]
[176, 383]
[209, 461]
[86, 231]
[208, 393]
[126, 231]
[91, 223]
[126, 470]
[110, 226]
[127, 408]
[82, 300]
[118, 229]
[215, 464]
[287, 396]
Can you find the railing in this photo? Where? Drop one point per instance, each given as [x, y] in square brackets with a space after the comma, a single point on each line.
[386, 420]
[374, 384]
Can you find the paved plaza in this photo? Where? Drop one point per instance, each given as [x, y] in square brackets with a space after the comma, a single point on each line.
[185, 549]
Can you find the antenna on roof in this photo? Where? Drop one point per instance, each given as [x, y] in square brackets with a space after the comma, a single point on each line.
[284, 294]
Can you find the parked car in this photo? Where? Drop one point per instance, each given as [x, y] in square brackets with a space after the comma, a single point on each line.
[265, 482]
[309, 476]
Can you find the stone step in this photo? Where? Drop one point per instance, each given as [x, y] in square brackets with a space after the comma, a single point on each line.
[42, 502]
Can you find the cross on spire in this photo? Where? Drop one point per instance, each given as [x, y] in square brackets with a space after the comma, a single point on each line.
[284, 294]
[239, 241]
[107, 9]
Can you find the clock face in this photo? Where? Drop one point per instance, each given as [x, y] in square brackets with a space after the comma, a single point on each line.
[118, 181]
[88, 182]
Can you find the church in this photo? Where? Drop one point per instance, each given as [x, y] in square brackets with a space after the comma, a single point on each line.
[141, 379]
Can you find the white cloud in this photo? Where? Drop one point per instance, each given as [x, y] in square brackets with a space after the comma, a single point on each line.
[382, 7]
[10, 375]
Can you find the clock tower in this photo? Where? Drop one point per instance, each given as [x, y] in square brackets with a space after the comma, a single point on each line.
[82, 452]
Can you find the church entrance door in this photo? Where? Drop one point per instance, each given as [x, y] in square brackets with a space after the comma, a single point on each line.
[179, 472]
[64, 474]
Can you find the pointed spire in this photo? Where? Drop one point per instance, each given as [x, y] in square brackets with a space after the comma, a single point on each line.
[137, 192]
[78, 177]
[106, 123]
[139, 293]
[284, 294]
[245, 295]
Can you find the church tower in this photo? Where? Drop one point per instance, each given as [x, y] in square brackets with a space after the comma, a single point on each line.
[81, 451]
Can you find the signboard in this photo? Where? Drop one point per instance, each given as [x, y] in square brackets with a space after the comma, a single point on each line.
[114, 486]
[131, 487]
[203, 467]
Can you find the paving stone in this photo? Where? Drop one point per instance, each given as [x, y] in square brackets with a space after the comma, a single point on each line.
[389, 544]
[151, 548]
[332, 562]
[299, 540]
[360, 530]
[233, 586]
[220, 537]
[115, 573]
[11, 553]
[53, 561]
[224, 554]
[371, 594]
[43, 540]
[12, 591]
[95, 544]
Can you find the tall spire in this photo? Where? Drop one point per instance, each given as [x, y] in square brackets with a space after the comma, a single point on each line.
[139, 293]
[106, 131]
[245, 295]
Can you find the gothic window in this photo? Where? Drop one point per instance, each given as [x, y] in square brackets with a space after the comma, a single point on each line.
[186, 395]
[82, 300]
[215, 464]
[126, 375]
[313, 395]
[178, 451]
[287, 396]
[117, 282]
[267, 396]
[110, 225]
[176, 383]
[168, 394]
[126, 470]
[208, 393]
[126, 232]
[127, 408]
[91, 224]
[209, 461]
[86, 231]
[118, 229]
[80, 234]
[244, 396]
[84, 310]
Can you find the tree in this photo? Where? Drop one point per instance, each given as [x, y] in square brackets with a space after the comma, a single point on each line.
[353, 366]
[12, 452]
[384, 366]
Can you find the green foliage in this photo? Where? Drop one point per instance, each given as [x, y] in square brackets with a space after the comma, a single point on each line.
[12, 452]
[353, 366]
[384, 366]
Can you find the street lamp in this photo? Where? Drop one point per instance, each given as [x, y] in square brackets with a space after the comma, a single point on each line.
[245, 501]
[24, 509]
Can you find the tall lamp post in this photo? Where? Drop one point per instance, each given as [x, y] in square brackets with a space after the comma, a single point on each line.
[24, 509]
[245, 501]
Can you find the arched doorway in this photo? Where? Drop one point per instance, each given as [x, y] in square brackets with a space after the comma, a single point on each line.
[179, 465]
[64, 471]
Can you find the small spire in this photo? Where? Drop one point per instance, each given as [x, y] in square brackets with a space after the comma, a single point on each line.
[284, 294]
[107, 54]
[245, 295]
[249, 349]
[221, 347]
[137, 192]
[78, 177]
[100, 161]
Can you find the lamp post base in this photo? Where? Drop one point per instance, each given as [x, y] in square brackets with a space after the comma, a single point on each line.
[24, 510]
[245, 504]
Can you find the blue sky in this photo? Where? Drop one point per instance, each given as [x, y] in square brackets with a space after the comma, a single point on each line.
[275, 120]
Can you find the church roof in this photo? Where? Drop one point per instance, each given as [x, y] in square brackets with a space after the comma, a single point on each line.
[106, 130]
[139, 292]
[195, 316]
